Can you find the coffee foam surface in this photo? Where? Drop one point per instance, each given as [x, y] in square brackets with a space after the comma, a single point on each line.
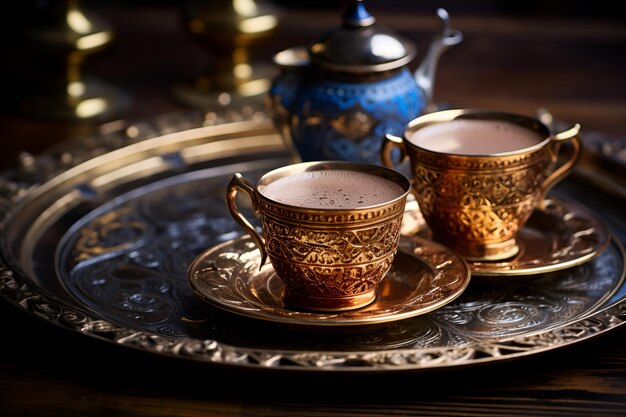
[475, 137]
[334, 189]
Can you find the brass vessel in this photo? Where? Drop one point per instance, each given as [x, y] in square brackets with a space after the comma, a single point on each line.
[329, 259]
[476, 204]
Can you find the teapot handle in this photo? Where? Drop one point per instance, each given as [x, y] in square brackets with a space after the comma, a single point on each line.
[444, 39]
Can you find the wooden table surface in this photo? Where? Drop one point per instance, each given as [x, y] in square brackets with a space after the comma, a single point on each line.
[572, 65]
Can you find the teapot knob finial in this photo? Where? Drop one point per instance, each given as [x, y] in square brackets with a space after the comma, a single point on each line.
[357, 15]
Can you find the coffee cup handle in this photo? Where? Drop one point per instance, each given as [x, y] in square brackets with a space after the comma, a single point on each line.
[572, 135]
[390, 143]
[236, 184]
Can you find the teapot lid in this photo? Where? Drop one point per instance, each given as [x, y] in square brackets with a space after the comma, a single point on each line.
[360, 45]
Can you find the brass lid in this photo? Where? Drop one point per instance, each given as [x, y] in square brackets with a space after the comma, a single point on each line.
[360, 45]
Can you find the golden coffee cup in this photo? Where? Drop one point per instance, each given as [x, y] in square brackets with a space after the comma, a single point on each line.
[477, 175]
[330, 229]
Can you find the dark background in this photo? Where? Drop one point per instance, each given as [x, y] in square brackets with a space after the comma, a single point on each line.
[566, 56]
[517, 55]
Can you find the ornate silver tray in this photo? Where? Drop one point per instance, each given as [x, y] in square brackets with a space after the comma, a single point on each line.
[97, 236]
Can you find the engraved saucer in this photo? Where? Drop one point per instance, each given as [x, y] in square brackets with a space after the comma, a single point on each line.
[565, 234]
[228, 276]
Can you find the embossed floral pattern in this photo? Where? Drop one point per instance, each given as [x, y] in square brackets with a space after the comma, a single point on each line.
[332, 262]
[485, 200]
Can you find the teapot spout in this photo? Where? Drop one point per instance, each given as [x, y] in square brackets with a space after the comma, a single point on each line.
[444, 39]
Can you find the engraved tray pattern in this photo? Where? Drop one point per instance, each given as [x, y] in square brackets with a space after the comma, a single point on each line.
[97, 237]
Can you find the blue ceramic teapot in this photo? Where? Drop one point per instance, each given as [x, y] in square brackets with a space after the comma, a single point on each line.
[337, 98]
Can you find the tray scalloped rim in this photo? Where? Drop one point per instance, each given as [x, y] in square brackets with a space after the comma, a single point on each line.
[210, 351]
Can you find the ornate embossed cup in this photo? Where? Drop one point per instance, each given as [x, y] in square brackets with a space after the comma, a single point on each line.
[330, 229]
[478, 175]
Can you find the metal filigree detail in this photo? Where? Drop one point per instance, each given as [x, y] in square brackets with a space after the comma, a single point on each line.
[112, 232]
[354, 124]
[337, 217]
[212, 351]
[488, 207]
[228, 276]
[327, 262]
[460, 162]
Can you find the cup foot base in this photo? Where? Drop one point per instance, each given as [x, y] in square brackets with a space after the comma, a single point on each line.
[304, 302]
[487, 252]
